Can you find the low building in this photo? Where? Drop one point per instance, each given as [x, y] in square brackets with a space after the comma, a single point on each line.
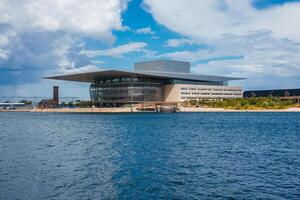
[47, 103]
[12, 106]
[50, 103]
[154, 81]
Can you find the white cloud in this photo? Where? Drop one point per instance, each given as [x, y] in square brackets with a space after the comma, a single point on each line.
[117, 51]
[45, 36]
[27, 57]
[210, 19]
[146, 30]
[257, 57]
[179, 42]
[4, 54]
[6, 35]
[67, 58]
[93, 18]
[82, 69]
[266, 41]
[255, 49]
[3, 40]
[96, 62]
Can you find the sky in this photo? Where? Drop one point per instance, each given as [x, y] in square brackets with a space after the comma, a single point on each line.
[255, 39]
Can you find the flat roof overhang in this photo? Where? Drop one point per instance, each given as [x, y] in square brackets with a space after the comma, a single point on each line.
[91, 76]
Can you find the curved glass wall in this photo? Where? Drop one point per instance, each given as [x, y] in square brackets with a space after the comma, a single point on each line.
[126, 90]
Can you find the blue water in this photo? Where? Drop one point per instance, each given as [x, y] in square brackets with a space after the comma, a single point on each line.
[150, 156]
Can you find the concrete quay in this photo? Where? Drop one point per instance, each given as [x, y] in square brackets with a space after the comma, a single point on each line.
[131, 110]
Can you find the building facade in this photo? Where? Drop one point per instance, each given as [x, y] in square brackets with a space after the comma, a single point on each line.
[185, 92]
[154, 81]
[273, 93]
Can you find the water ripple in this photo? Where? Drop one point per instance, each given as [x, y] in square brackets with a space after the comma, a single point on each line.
[150, 156]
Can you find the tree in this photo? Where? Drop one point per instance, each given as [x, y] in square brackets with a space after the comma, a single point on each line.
[85, 104]
[245, 103]
[26, 102]
[71, 104]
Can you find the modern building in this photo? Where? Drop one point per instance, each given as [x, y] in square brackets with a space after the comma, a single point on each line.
[281, 93]
[161, 81]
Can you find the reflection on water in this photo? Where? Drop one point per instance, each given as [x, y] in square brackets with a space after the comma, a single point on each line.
[149, 156]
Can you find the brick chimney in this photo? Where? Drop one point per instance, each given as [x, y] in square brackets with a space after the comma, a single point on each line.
[55, 94]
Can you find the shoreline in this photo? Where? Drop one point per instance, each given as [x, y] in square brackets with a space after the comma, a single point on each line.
[133, 110]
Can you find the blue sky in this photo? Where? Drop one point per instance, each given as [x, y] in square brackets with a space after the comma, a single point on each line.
[255, 39]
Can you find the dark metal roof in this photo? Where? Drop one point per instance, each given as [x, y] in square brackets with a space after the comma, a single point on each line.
[90, 76]
[163, 66]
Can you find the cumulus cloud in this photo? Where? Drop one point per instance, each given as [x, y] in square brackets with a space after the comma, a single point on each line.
[255, 49]
[93, 18]
[256, 56]
[209, 19]
[116, 51]
[29, 56]
[259, 44]
[39, 37]
[6, 35]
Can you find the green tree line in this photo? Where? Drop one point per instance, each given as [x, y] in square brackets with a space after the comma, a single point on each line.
[80, 104]
[252, 103]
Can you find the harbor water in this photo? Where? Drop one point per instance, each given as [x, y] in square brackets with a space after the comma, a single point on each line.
[150, 156]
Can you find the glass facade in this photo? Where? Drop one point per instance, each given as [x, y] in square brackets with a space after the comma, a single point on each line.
[119, 91]
[124, 90]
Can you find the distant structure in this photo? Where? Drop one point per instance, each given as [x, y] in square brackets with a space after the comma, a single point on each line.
[11, 106]
[282, 93]
[50, 103]
[160, 81]
[55, 94]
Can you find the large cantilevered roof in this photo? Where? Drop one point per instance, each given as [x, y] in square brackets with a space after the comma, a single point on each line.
[91, 76]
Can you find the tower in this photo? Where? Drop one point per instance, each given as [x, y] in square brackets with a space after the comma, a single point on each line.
[55, 94]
